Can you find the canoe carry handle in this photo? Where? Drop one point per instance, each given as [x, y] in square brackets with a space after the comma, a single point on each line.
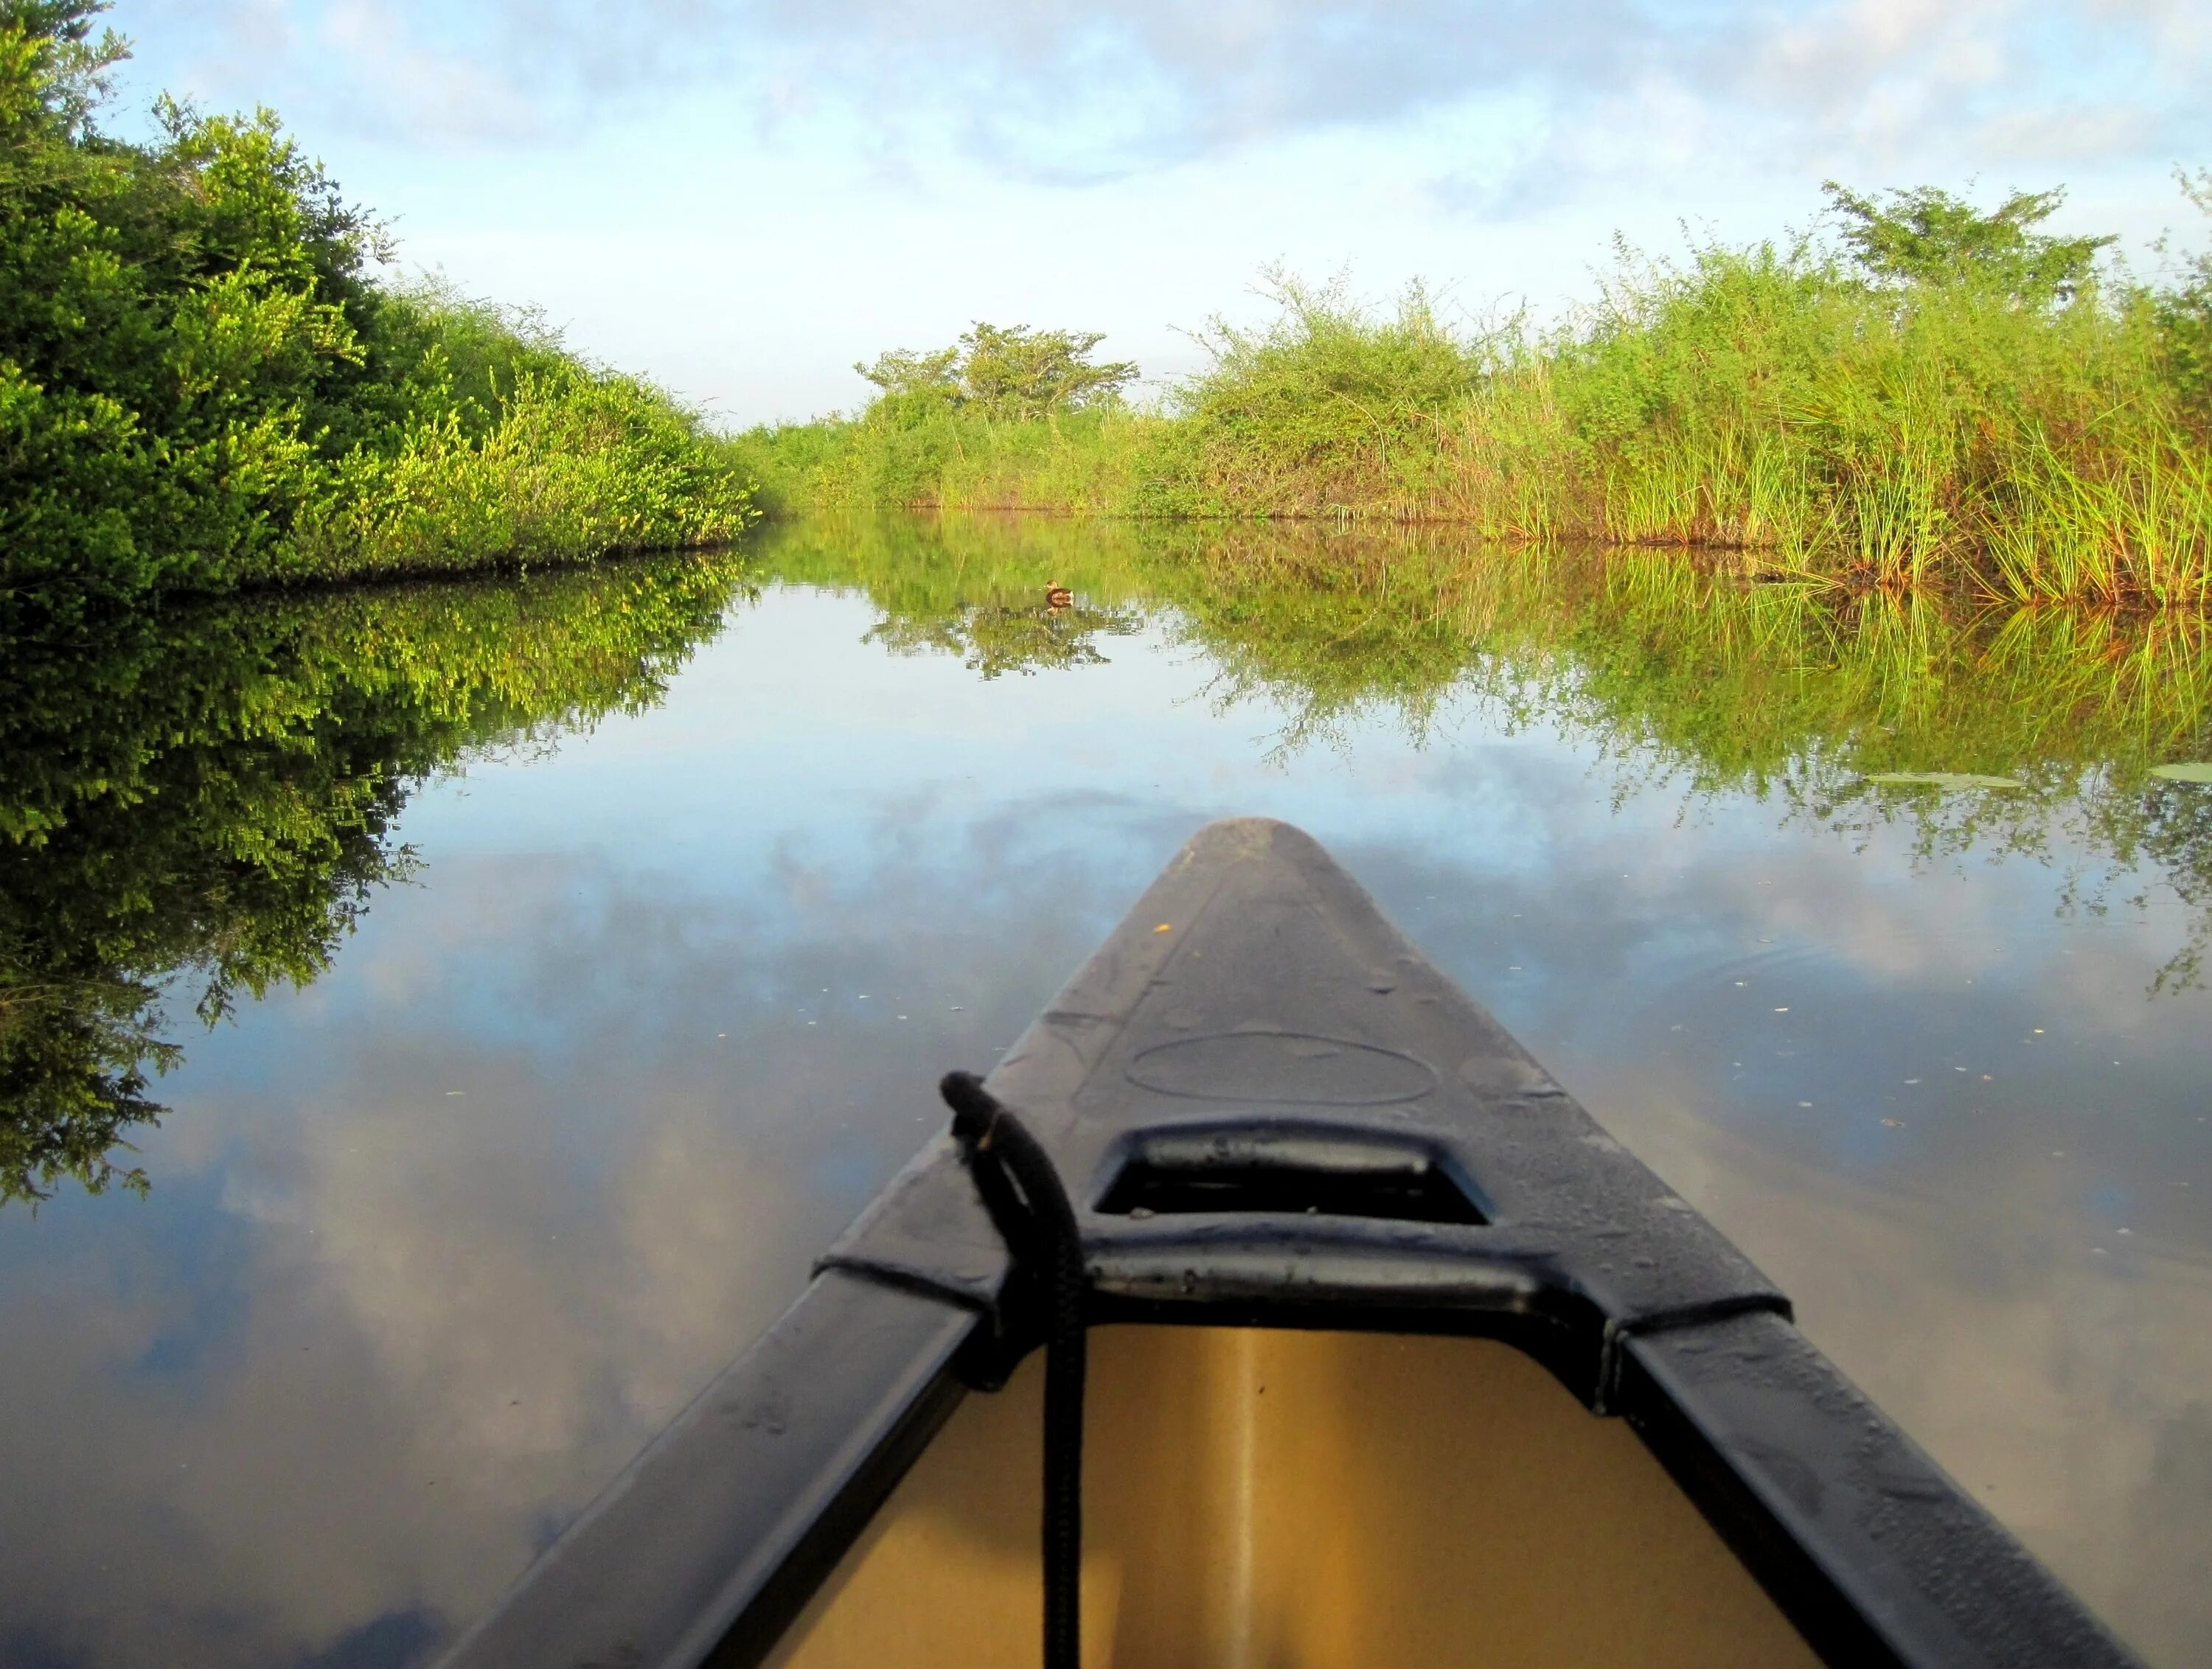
[1288, 1171]
[1021, 1189]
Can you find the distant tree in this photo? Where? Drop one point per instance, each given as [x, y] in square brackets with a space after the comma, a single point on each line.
[1016, 372]
[903, 372]
[1005, 371]
[1927, 236]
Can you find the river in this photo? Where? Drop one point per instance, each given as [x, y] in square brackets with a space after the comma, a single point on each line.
[576, 955]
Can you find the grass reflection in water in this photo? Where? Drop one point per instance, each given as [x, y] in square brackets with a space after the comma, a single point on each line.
[1801, 693]
[201, 804]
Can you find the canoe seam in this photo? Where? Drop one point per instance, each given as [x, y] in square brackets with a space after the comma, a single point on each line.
[1617, 1333]
[905, 1280]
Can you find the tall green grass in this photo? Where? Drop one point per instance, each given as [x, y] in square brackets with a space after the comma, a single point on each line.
[1771, 401]
[1094, 462]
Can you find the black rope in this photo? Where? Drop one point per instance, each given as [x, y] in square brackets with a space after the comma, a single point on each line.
[1040, 1230]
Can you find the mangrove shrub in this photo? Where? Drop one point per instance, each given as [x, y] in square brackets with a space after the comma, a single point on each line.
[201, 387]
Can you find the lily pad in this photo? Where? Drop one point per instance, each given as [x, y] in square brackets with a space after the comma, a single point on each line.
[2199, 771]
[1948, 781]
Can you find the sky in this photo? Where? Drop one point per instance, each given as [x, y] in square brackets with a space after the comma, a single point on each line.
[742, 198]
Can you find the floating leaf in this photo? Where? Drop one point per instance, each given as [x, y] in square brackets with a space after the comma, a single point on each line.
[2198, 772]
[1948, 781]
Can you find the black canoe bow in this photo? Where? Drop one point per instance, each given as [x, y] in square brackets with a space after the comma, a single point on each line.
[1269, 1109]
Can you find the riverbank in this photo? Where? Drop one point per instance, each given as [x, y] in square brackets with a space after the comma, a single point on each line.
[1992, 414]
[204, 385]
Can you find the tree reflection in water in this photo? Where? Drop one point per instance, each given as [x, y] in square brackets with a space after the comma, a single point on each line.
[199, 805]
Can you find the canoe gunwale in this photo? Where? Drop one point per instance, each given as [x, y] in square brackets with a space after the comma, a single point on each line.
[1253, 978]
[1876, 1554]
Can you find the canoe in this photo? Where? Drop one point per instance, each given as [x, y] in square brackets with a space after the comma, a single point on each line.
[1394, 1357]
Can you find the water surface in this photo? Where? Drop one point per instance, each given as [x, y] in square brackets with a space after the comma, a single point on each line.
[580, 950]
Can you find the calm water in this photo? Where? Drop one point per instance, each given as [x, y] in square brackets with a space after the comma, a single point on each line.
[713, 870]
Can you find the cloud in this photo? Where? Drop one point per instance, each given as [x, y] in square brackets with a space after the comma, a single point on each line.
[434, 93]
[2074, 132]
[1609, 89]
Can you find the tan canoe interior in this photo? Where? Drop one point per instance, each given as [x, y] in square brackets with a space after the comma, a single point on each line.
[1285, 1500]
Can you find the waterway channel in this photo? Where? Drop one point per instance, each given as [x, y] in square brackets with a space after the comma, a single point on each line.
[574, 955]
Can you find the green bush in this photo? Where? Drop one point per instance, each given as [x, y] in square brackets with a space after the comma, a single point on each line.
[1326, 409]
[571, 467]
[198, 377]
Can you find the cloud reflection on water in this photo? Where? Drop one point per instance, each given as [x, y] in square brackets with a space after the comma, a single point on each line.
[491, 1201]
[437, 1242]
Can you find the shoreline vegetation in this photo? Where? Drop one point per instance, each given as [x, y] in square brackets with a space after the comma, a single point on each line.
[202, 389]
[1933, 395]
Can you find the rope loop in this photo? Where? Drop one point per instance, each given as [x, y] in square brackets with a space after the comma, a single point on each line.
[1021, 1189]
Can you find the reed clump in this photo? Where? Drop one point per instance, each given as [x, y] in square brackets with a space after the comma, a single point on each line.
[1938, 396]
